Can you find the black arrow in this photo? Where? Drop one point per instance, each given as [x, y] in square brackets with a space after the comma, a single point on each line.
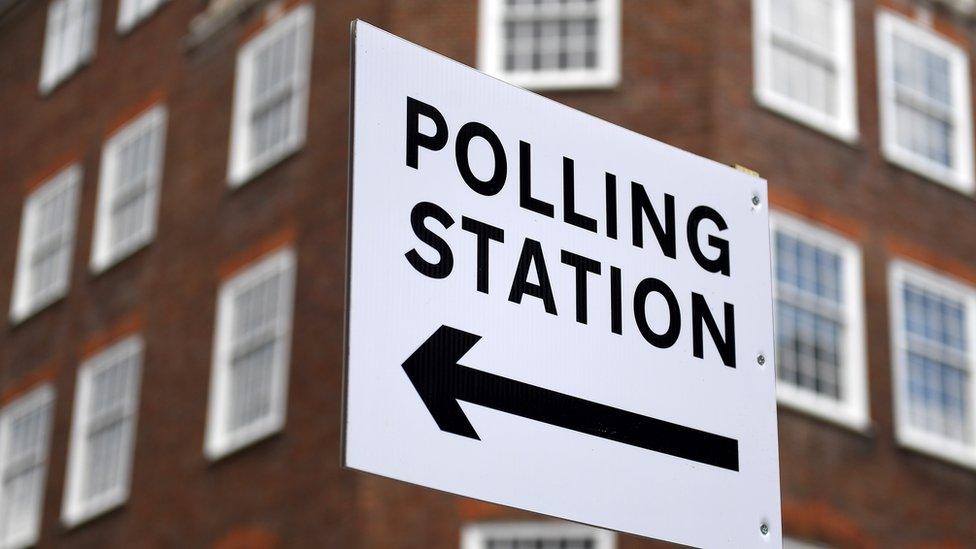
[441, 382]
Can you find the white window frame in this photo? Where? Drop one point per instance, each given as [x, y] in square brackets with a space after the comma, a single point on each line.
[36, 398]
[959, 177]
[899, 272]
[241, 167]
[133, 12]
[103, 255]
[844, 125]
[218, 442]
[53, 69]
[476, 536]
[74, 509]
[852, 409]
[606, 74]
[23, 304]
[793, 543]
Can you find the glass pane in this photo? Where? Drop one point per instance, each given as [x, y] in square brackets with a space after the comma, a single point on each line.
[550, 35]
[250, 386]
[104, 462]
[806, 268]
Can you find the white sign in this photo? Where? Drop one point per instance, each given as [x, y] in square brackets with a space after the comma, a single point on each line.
[550, 312]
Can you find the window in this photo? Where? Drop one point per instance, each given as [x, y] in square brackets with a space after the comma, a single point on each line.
[271, 95]
[128, 190]
[789, 543]
[551, 44]
[251, 350]
[47, 231]
[804, 62]
[933, 333]
[133, 11]
[542, 535]
[820, 362]
[69, 42]
[924, 86]
[103, 431]
[25, 426]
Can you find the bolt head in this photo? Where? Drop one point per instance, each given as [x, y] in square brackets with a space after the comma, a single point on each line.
[761, 359]
[755, 200]
[764, 529]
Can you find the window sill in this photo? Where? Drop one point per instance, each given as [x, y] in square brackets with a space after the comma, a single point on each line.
[218, 452]
[96, 268]
[785, 108]
[17, 319]
[46, 91]
[209, 23]
[555, 81]
[236, 181]
[125, 30]
[931, 447]
[856, 423]
[924, 169]
[77, 519]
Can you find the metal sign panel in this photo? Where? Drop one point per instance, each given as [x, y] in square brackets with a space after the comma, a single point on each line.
[551, 312]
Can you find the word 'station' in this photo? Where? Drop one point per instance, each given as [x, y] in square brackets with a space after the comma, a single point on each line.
[547, 311]
[531, 259]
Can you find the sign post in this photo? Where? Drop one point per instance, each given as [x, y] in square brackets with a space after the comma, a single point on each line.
[551, 312]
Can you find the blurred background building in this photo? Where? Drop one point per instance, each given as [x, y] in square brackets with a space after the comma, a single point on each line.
[172, 247]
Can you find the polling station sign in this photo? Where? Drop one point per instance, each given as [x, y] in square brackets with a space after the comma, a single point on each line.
[551, 312]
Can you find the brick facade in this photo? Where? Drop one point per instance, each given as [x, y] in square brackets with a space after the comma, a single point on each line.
[686, 80]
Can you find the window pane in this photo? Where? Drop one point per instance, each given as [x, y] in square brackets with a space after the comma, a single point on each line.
[70, 38]
[923, 101]
[803, 46]
[550, 35]
[24, 426]
[251, 386]
[272, 92]
[938, 375]
[810, 323]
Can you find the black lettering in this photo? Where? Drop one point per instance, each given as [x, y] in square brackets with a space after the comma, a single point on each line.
[583, 265]
[670, 336]
[415, 139]
[721, 263]
[640, 208]
[570, 215]
[700, 314]
[485, 234]
[526, 200]
[532, 255]
[611, 195]
[616, 312]
[494, 184]
[445, 262]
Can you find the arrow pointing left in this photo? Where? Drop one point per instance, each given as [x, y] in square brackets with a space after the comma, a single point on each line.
[441, 382]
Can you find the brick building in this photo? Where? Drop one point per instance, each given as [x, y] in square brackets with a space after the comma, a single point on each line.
[172, 248]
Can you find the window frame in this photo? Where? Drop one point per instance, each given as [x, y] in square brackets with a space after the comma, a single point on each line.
[852, 410]
[218, 443]
[843, 126]
[50, 76]
[908, 436]
[476, 535]
[491, 47]
[23, 305]
[103, 256]
[959, 177]
[241, 168]
[74, 509]
[129, 16]
[37, 397]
